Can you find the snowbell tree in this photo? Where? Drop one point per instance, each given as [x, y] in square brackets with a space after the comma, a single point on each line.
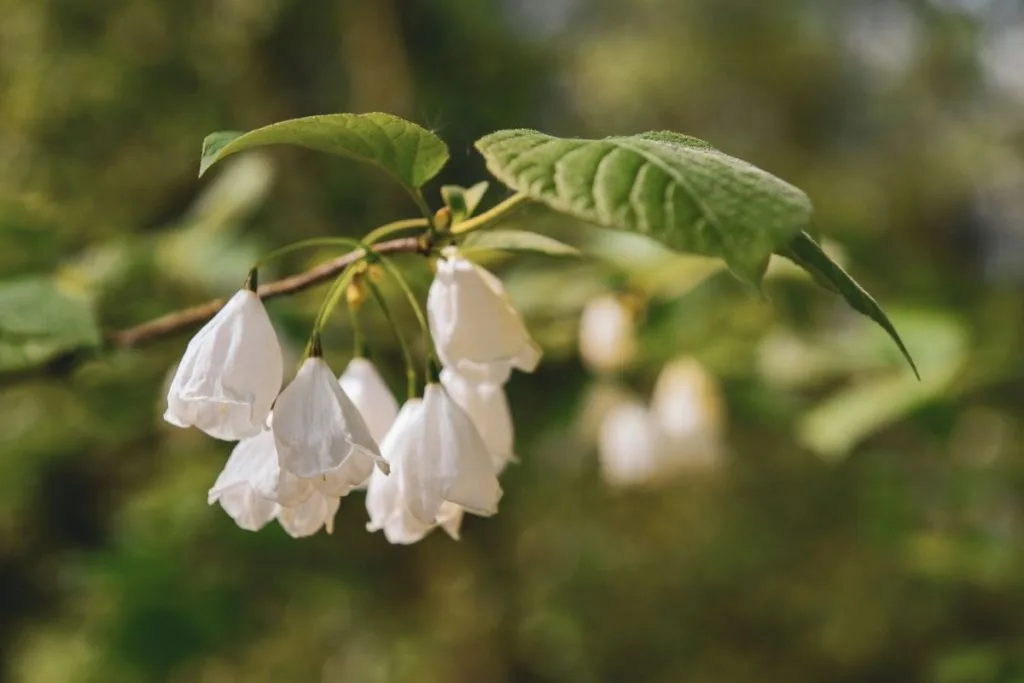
[304, 446]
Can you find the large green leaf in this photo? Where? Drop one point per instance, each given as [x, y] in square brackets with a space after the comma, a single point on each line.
[39, 321]
[413, 155]
[671, 187]
[808, 254]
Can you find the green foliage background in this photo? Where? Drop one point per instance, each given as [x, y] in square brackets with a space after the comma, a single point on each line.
[866, 527]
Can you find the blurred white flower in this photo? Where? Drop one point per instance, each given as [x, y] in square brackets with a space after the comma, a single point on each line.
[366, 388]
[476, 331]
[487, 407]
[629, 445]
[607, 335]
[321, 435]
[307, 518]
[688, 408]
[230, 373]
[680, 432]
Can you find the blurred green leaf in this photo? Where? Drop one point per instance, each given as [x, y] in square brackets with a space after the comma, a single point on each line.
[39, 321]
[674, 188]
[409, 153]
[809, 255]
[516, 240]
[842, 421]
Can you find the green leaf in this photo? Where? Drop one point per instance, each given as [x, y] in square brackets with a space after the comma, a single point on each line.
[516, 240]
[39, 321]
[671, 187]
[463, 201]
[411, 154]
[843, 420]
[809, 255]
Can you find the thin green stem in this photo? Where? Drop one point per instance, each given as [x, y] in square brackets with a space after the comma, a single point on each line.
[334, 295]
[410, 370]
[494, 213]
[358, 341]
[305, 244]
[414, 303]
[421, 204]
[387, 229]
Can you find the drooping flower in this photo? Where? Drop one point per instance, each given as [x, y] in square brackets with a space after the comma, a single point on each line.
[309, 516]
[476, 331]
[630, 446]
[607, 335]
[687, 406]
[363, 384]
[252, 482]
[385, 502]
[487, 407]
[230, 373]
[320, 434]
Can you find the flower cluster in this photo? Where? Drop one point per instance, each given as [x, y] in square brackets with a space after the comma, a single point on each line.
[302, 449]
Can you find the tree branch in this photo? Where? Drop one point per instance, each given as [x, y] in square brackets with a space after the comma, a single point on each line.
[176, 321]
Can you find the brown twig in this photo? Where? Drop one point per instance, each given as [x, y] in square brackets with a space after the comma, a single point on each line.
[189, 317]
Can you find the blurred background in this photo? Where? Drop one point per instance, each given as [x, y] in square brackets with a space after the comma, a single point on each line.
[820, 516]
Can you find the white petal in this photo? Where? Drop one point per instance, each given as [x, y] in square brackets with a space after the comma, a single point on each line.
[487, 407]
[607, 334]
[230, 373]
[371, 395]
[250, 510]
[450, 519]
[253, 463]
[629, 445]
[308, 517]
[476, 330]
[448, 462]
[316, 426]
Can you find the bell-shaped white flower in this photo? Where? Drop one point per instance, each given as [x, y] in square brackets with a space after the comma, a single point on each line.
[309, 516]
[230, 373]
[487, 407]
[476, 330]
[630, 446]
[687, 406]
[363, 384]
[607, 335]
[439, 456]
[321, 435]
[384, 496]
[252, 483]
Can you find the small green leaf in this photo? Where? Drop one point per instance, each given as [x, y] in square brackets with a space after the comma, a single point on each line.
[38, 321]
[516, 240]
[808, 254]
[463, 201]
[411, 154]
[671, 187]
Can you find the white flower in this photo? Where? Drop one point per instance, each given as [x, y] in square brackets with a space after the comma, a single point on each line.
[321, 435]
[363, 384]
[607, 334]
[487, 407]
[384, 496]
[252, 482]
[629, 445]
[476, 330]
[681, 432]
[230, 373]
[306, 518]
[688, 408]
[438, 456]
